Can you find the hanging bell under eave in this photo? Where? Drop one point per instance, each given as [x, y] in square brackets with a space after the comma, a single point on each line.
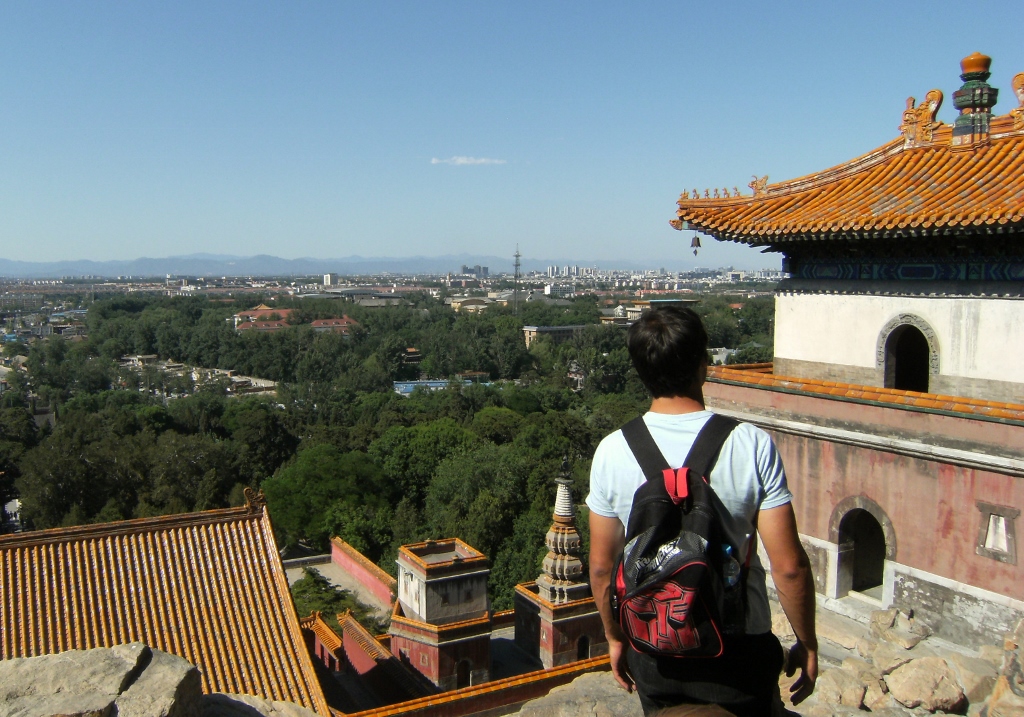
[695, 244]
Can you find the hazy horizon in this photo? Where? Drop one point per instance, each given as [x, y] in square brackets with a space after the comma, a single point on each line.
[330, 130]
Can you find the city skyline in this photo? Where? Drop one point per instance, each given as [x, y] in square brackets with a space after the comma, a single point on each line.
[397, 131]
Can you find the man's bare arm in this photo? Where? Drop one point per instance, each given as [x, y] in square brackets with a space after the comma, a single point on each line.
[791, 572]
[606, 540]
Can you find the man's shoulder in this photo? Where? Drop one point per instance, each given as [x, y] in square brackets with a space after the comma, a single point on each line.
[614, 444]
[749, 433]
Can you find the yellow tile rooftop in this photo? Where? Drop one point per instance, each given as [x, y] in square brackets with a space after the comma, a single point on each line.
[208, 587]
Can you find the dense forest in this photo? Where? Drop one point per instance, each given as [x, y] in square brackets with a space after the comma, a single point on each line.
[337, 452]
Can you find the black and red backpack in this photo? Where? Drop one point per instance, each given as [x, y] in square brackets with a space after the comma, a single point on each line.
[678, 587]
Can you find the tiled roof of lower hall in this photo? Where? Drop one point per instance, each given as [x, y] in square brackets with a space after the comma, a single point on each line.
[926, 182]
[208, 587]
[761, 375]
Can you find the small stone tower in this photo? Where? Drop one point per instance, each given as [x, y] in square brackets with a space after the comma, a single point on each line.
[441, 624]
[556, 617]
[562, 580]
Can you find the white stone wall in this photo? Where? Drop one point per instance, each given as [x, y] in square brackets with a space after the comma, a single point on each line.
[412, 591]
[977, 338]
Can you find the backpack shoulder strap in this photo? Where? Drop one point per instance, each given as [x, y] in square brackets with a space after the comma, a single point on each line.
[708, 444]
[700, 459]
[645, 450]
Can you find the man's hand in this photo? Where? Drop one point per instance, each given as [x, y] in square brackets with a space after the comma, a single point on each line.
[620, 670]
[807, 661]
[794, 583]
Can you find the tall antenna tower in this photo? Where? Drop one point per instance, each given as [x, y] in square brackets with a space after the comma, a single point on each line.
[515, 280]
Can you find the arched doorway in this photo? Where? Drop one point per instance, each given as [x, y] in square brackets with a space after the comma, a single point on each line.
[583, 648]
[907, 359]
[861, 553]
[462, 674]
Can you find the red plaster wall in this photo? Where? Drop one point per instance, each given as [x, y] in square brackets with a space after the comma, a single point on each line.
[931, 505]
[360, 661]
[564, 652]
[360, 574]
[478, 652]
[405, 649]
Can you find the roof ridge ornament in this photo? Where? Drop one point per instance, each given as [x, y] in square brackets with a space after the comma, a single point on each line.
[975, 100]
[1018, 112]
[759, 185]
[919, 123]
[255, 501]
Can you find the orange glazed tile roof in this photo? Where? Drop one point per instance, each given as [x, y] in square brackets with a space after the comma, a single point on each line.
[761, 375]
[913, 192]
[327, 636]
[965, 177]
[208, 587]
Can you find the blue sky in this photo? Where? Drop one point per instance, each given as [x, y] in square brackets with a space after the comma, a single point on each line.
[329, 129]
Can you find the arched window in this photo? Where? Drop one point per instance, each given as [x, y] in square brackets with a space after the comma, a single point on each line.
[907, 359]
[862, 551]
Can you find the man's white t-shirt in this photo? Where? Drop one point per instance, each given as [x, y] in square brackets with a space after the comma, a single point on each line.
[747, 477]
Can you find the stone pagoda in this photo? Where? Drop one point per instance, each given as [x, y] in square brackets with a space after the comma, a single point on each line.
[556, 617]
[562, 580]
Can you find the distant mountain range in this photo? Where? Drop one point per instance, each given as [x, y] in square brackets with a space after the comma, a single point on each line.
[265, 265]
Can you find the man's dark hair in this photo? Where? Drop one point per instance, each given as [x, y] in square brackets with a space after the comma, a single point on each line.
[667, 346]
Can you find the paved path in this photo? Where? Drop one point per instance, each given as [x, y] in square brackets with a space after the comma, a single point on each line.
[339, 578]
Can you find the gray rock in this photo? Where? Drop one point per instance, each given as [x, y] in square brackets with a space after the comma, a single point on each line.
[839, 687]
[902, 638]
[886, 658]
[826, 710]
[1007, 698]
[78, 704]
[882, 620]
[894, 710]
[123, 681]
[103, 671]
[992, 654]
[224, 705]
[876, 696]
[977, 677]
[839, 630]
[594, 694]
[170, 686]
[928, 682]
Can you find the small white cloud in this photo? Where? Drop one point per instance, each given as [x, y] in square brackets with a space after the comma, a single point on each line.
[459, 161]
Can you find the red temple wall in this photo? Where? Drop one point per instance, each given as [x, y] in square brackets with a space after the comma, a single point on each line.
[360, 572]
[931, 505]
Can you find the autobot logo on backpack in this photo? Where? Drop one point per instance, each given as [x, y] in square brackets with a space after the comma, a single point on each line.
[660, 620]
[678, 586]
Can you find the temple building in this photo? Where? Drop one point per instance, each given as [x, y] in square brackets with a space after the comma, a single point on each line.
[556, 617]
[896, 394]
[441, 624]
[208, 587]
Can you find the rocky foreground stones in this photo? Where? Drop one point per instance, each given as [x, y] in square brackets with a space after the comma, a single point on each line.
[893, 671]
[896, 672]
[130, 680]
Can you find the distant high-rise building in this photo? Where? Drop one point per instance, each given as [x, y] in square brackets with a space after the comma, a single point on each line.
[330, 279]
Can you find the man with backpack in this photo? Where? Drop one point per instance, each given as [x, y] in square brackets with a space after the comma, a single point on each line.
[674, 572]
